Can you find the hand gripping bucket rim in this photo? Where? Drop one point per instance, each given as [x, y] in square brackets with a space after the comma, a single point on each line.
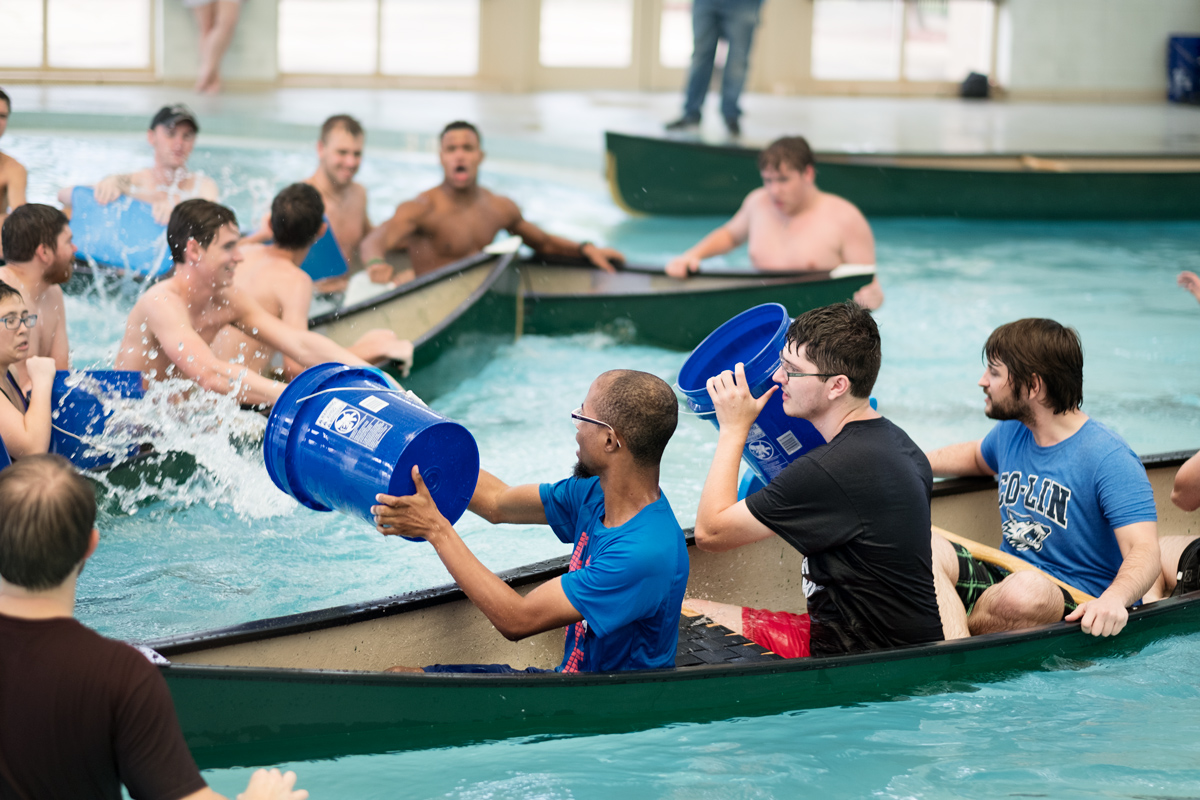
[760, 366]
[303, 439]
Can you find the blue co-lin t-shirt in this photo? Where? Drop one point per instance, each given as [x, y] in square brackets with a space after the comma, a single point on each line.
[627, 582]
[1060, 504]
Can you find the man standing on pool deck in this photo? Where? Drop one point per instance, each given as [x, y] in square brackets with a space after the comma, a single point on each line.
[791, 224]
[1074, 499]
[460, 217]
[80, 715]
[41, 258]
[172, 134]
[629, 569]
[856, 507]
[171, 328]
[12, 174]
[271, 274]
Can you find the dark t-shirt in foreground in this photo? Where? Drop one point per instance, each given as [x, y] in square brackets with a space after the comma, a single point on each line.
[81, 714]
[858, 509]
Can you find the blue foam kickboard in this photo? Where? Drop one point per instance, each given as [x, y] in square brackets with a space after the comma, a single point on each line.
[122, 234]
[325, 259]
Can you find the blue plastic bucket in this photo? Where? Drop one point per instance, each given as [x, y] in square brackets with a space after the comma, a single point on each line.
[755, 338]
[340, 435]
[77, 411]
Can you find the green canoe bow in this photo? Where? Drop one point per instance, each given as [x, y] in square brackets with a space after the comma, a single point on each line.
[656, 175]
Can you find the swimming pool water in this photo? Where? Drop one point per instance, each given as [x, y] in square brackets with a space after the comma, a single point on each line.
[224, 549]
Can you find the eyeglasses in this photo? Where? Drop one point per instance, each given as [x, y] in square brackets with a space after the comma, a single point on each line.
[578, 417]
[810, 374]
[12, 323]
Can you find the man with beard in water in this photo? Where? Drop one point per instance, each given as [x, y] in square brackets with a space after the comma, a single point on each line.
[629, 569]
[460, 217]
[41, 258]
[1075, 501]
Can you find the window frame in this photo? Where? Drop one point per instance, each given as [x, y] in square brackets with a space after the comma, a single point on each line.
[47, 73]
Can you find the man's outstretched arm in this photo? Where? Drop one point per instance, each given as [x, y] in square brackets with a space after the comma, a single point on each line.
[548, 244]
[959, 460]
[718, 242]
[303, 346]
[390, 235]
[515, 616]
[498, 503]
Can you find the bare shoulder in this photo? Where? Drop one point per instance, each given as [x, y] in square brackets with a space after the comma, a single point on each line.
[10, 167]
[502, 205]
[842, 207]
[757, 201]
[161, 299]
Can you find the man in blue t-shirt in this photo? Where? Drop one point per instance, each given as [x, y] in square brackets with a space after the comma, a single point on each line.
[1075, 501]
[621, 598]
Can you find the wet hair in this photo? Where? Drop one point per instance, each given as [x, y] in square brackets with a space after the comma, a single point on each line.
[344, 121]
[841, 339]
[7, 291]
[296, 216]
[196, 219]
[1044, 348]
[460, 125]
[642, 408]
[49, 513]
[5, 98]
[27, 228]
[791, 150]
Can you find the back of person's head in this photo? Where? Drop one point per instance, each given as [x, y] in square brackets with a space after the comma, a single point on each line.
[5, 99]
[841, 339]
[28, 227]
[7, 291]
[1044, 348]
[296, 216]
[791, 150]
[49, 511]
[642, 408]
[196, 219]
[461, 125]
[344, 121]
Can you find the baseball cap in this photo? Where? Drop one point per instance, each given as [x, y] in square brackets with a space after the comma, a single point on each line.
[173, 115]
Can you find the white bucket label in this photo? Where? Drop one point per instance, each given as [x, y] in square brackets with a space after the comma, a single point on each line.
[760, 448]
[357, 426]
[373, 403]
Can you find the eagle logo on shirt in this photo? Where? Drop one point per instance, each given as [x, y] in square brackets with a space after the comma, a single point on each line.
[1023, 533]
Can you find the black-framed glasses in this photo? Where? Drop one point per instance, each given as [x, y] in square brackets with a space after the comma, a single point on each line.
[578, 417]
[810, 374]
[12, 323]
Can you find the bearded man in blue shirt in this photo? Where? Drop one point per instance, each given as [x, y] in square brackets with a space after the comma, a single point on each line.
[622, 596]
[1075, 501]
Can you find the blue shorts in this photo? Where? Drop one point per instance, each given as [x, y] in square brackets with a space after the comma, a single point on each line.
[479, 668]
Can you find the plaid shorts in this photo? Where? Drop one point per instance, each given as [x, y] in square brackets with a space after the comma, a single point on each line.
[975, 576]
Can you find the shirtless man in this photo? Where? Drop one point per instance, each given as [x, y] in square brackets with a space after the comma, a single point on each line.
[460, 217]
[171, 327]
[271, 274]
[791, 224]
[41, 257]
[12, 174]
[172, 134]
[339, 155]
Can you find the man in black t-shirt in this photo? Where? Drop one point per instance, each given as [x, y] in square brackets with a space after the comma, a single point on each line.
[79, 714]
[856, 507]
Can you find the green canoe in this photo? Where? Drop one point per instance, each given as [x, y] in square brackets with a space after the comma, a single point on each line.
[657, 175]
[309, 685]
[480, 302]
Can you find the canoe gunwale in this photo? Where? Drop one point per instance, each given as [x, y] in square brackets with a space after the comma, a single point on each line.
[953, 486]
[412, 286]
[1168, 606]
